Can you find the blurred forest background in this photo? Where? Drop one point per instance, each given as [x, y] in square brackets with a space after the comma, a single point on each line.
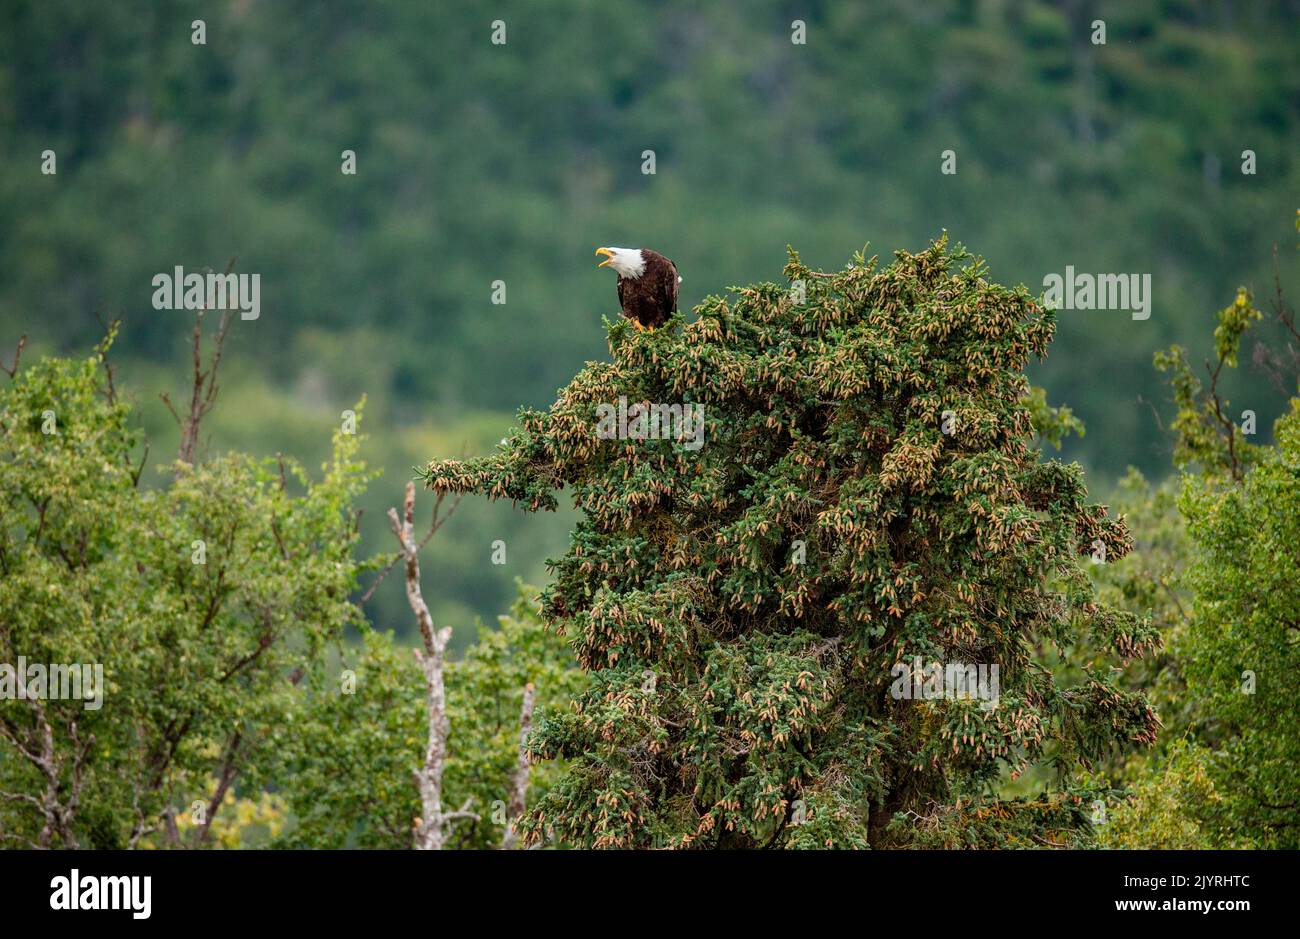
[479, 162]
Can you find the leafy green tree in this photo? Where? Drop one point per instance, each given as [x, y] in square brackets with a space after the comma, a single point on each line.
[1168, 804]
[204, 601]
[867, 497]
[1216, 575]
[1245, 650]
[1216, 781]
[1205, 433]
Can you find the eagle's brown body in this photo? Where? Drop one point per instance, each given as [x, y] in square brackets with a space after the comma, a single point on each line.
[652, 297]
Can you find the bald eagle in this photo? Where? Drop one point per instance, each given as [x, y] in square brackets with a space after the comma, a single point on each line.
[647, 284]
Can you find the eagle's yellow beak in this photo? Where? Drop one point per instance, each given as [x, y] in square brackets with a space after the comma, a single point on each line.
[609, 256]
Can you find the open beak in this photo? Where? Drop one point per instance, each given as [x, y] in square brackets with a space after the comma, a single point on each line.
[609, 256]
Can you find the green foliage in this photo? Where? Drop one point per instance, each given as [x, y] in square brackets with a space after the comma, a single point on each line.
[1059, 819]
[741, 608]
[214, 602]
[1246, 580]
[204, 601]
[1205, 435]
[348, 758]
[1167, 807]
[1213, 566]
[1149, 582]
[256, 417]
[1052, 424]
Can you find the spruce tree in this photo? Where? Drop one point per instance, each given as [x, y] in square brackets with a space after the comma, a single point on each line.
[867, 500]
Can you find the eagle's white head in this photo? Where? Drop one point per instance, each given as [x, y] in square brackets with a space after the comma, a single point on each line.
[628, 262]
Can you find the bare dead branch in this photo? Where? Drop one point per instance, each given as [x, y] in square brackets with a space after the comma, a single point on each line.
[144, 458]
[1229, 429]
[203, 392]
[434, 825]
[40, 752]
[434, 524]
[519, 784]
[275, 530]
[169, 827]
[21, 840]
[1284, 315]
[110, 371]
[1160, 425]
[18, 354]
[462, 812]
[166, 399]
[20, 797]
[141, 827]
